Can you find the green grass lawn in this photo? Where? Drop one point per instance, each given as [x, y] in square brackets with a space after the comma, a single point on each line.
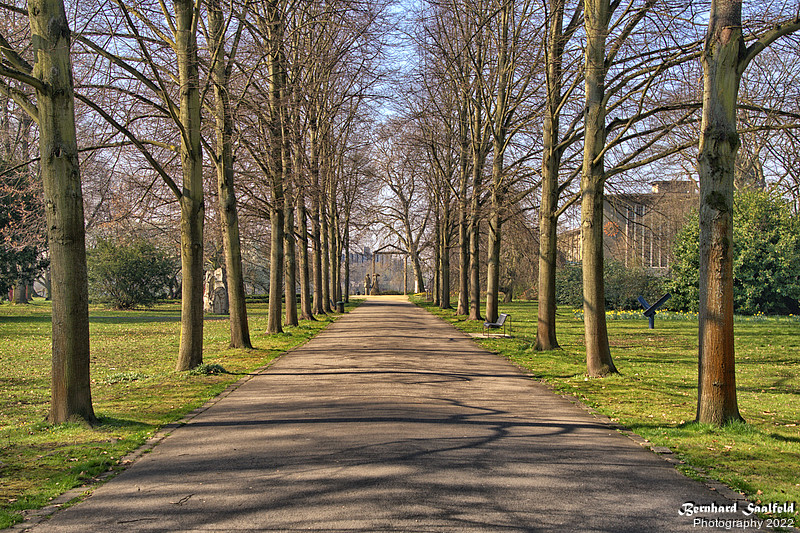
[655, 393]
[135, 391]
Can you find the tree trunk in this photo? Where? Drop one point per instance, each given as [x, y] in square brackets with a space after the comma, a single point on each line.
[316, 243]
[419, 281]
[463, 207]
[463, 259]
[335, 248]
[326, 259]
[598, 351]
[474, 271]
[493, 267]
[444, 259]
[504, 68]
[276, 258]
[291, 260]
[21, 292]
[192, 209]
[437, 260]
[71, 396]
[306, 312]
[240, 331]
[347, 259]
[316, 237]
[278, 162]
[551, 162]
[719, 142]
[478, 162]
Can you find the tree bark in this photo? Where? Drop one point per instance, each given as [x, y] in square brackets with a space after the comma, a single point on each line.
[551, 162]
[71, 396]
[474, 271]
[276, 258]
[326, 259]
[21, 292]
[598, 351]
[192, 207]
[291, 259]
[478, 161]
[437, 260]
[444, 259]
[719, 142]
[463, 257]
[306, 312]
[278, 160]
[493, 267]
[346, 287]
[504, 68]
[240, 330]
[316, 244]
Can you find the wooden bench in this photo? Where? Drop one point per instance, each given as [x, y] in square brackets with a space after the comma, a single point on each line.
[501, 323]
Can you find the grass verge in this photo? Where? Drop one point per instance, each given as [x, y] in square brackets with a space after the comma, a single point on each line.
[655, 394]
[135, 391]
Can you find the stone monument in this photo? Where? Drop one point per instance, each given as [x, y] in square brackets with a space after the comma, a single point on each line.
[215, 293]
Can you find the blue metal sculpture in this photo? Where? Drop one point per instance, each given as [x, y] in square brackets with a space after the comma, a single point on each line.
[650, 310]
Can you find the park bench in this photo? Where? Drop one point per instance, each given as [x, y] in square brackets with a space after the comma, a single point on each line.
[501, 323]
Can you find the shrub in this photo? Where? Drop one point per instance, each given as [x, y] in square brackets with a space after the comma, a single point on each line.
[623, 285]
[129, 274]
[766, 257]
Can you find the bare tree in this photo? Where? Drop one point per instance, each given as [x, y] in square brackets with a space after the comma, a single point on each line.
[54, 112]
[221, 67]
[178, 104]
[549, 210]
[725, 59]
[404, 215]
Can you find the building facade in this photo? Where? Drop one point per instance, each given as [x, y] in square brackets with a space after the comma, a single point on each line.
[639, 229]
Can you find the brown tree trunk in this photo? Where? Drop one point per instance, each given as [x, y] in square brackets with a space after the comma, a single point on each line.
[277, 80]
[444, 259]
[598, 351]
[326, 259]
[719, 142]
[478, 161]
[462, 307]
[71, 396]
[306, 312]
[551, 162]
[463, 259]
[346, 287]
[505, 70]
[316, 244]
[419, 281]
[316, 237]
[276, 258]
[291, 260]
[192, 209]
[493, 266]
[240, 330]
[21, 292]
[437, 260]
[474, 272]
[335, 246]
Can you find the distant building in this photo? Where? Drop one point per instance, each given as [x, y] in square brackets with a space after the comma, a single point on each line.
[639, 229]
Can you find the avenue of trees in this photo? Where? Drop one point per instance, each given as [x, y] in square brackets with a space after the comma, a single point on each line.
[286, 129]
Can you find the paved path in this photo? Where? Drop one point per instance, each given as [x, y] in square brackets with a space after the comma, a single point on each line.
[391, 420]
